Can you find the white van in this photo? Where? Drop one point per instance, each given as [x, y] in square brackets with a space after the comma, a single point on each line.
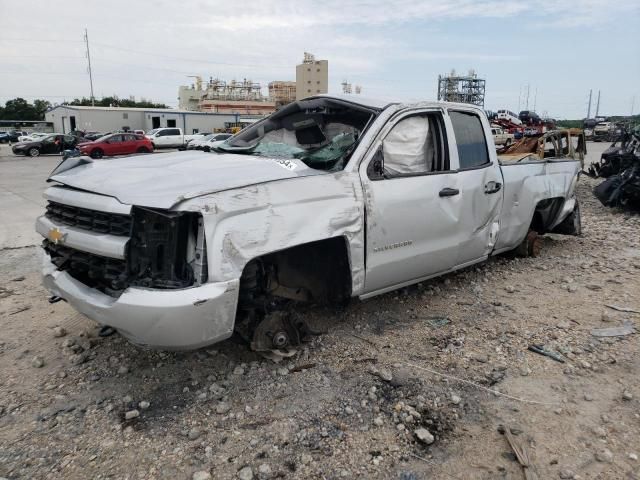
[509, 116]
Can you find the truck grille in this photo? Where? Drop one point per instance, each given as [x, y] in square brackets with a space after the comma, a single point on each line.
[92, 270]
[101, 222]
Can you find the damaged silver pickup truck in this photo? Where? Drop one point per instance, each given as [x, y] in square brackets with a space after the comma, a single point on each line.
[327, 199]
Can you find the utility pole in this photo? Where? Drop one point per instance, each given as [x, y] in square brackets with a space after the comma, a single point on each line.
[598, 104]
[528, 88]
[535, 99]
[633, 104]
[589, 109]
[86, 41]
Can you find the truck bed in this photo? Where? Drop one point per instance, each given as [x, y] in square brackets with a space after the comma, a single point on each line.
[527, 182]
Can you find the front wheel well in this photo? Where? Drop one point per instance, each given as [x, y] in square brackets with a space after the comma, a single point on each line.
[316, 272]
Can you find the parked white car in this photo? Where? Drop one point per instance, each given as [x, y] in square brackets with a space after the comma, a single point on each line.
[206, 141]
[33, 136]
[509, 116]
[169, 137]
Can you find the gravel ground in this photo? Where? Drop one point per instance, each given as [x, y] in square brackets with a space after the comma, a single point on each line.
[377, 396]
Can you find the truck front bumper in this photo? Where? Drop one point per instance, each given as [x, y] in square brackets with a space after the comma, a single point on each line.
[165, 319]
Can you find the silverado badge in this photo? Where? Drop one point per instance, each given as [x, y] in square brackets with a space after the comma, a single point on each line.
[56, 236]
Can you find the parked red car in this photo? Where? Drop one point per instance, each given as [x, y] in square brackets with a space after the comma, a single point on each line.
[116, 144]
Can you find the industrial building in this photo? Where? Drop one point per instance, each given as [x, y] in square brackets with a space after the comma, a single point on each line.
[218, 96]
[461, 88]
[312, 77]
[245, 97]
[282, 92]
[66, 118]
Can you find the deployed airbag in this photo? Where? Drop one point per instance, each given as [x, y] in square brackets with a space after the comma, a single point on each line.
[408, 148]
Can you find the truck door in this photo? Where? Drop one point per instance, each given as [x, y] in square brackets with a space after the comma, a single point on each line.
[163, 138]
[412, 202]
[480, 180]
[174, 137]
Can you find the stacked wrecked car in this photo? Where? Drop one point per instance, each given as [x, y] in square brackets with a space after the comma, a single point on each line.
[620, 166]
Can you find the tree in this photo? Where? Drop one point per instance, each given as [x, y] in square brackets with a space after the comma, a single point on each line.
[19, 109]
[41, 106]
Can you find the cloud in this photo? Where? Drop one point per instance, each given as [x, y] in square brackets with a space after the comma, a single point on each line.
[307, 13]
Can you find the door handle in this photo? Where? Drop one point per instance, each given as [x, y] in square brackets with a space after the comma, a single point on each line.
[449, 192]
[492, 187]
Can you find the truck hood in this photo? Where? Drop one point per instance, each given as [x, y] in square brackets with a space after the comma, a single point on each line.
[165, 179]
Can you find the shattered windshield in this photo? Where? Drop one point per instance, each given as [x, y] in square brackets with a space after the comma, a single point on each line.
[321, 132]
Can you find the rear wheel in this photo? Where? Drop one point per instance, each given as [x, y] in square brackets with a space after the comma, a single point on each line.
[97, 153]
[34, 152]
[507, 142]
[143, 150]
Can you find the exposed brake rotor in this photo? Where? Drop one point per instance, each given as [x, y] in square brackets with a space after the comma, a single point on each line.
[278, 331]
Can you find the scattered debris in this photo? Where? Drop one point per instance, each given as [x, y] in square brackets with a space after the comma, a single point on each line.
[521, 454]
[547, 353]
[22, 309]
[623, 309]
[300, 368]
[626, 329]
[436, 322]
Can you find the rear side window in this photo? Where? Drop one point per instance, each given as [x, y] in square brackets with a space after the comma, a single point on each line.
[173, 131]
[472, 146]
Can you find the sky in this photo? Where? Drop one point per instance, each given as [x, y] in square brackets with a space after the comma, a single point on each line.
[557, 50]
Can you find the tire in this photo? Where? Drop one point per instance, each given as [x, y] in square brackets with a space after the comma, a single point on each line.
[97, 153]
[507, 143]
[143, 150]
[33, 152]
[207, 149]
[572, 225]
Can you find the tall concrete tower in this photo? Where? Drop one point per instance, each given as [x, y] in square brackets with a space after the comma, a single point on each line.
[312, 77]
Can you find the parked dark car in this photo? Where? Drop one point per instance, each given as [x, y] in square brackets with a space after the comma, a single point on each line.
[11, 136]
[50, 144]
[529, 117]
[116, 144]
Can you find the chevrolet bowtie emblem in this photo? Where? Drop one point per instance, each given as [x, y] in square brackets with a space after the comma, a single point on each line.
[56, 236]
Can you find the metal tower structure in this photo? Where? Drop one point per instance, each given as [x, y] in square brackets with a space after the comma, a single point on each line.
[461, 88]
